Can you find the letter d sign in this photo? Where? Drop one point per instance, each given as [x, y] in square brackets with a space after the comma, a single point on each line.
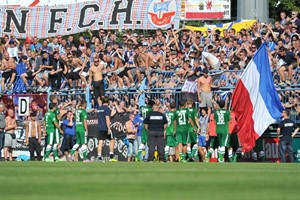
[23, 106]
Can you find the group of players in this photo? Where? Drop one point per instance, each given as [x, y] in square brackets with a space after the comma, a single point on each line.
[77, 124]
[190, 135]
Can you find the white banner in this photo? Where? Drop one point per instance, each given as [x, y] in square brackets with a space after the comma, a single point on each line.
[207, 10]
[31, 3]
[189, 86]
[49, 21]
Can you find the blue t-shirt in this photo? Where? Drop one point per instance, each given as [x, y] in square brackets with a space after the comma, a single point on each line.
[36, 47]
[138, 119]
[103, 111]
[69, 130]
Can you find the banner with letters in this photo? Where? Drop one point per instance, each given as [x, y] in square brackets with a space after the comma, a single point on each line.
[207, 10]
[119, 131]
[48, 21]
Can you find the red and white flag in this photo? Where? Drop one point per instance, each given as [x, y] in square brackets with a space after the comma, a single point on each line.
[213, 9]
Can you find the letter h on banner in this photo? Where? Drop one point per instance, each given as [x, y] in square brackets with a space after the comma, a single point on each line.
[127, 10]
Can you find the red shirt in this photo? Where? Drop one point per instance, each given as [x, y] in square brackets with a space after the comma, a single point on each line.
[212, 126]
[232, 124]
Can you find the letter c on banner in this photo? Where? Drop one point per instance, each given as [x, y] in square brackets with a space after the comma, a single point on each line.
[23, 106]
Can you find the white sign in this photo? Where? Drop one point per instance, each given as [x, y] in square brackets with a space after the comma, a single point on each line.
[32, 3]
[207, 9]
[189, 86]
[23, 106]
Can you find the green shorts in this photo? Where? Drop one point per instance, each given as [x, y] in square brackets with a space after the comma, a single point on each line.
[213, 142]
[171, 141]
[223, 139]
[192, 137]
[80, 137]
[53, 138]
[144, 136]
[181, 138]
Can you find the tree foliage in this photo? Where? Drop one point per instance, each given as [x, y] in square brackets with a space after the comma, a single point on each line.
[277, 6]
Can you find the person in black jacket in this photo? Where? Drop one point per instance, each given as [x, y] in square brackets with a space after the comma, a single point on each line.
[156, 124]
[287, 129]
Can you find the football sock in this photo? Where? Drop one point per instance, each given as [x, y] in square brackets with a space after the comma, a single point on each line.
[111, 155]
[230, 156]
[167, 148]
[221, 153]
[189, 152]
[194, 151]
[139, 154]
[210, 151]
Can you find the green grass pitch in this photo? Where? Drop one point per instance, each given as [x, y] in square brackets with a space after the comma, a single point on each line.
[148, 181]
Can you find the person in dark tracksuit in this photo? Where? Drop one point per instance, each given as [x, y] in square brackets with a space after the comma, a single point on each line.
[156, 124]
[286, 131]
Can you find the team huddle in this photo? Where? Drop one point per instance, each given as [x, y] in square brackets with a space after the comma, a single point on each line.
[192, 136]
[53, 131]
[189, 135]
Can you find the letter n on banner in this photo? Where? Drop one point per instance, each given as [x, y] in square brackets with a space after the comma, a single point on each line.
[23, 106]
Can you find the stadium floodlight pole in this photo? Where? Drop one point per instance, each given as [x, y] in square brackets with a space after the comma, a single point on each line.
[255, 13]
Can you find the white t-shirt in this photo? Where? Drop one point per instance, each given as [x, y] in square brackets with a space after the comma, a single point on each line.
[214, 59]
[13, 52]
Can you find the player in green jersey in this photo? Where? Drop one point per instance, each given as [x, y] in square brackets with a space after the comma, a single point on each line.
[59, 113]
[193, 130]
[181, 120]
[81, 130]
[222, 118]
[51, 124]
[171, 142]
[145, 110]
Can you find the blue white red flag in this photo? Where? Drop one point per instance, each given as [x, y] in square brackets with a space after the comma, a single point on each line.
[256, 103]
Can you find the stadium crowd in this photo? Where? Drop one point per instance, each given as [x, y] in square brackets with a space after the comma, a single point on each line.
[150, 62]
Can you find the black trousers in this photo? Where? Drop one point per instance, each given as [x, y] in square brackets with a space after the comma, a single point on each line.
[55, 80]
[34, 146]
[156, 138]
[2, 136]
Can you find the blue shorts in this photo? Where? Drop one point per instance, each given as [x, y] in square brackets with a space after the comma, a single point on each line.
[201, 141]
